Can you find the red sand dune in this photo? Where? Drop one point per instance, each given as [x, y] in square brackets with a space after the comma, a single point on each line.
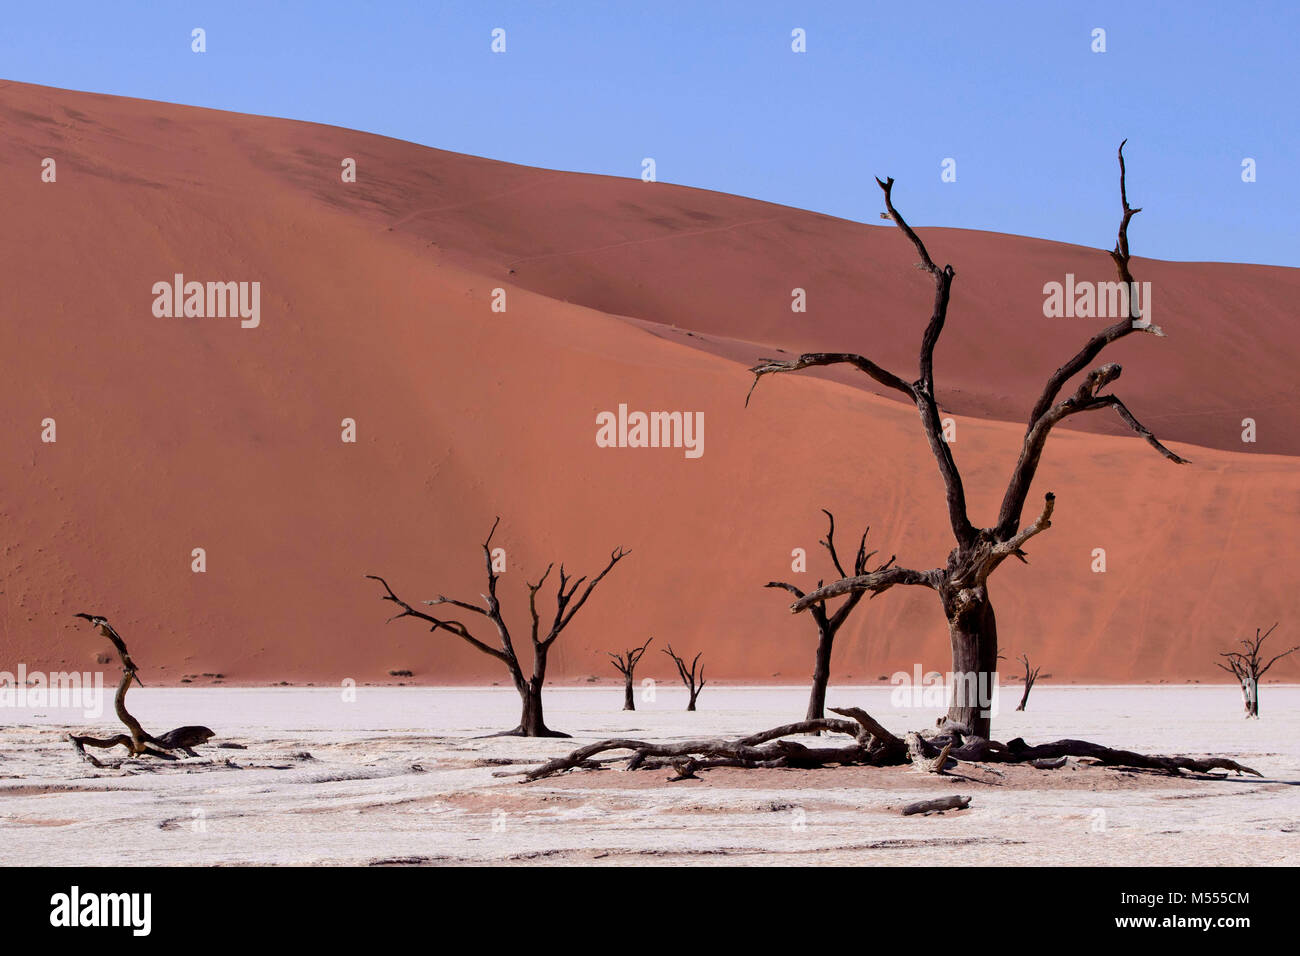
[176, 433]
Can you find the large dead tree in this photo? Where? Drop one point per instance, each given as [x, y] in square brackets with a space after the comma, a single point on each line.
[961, 585]
[828, 623]
[694, 684]
[1031, 675]
[626, 664]
[531, 722]
[1248, 666]
[139, 742]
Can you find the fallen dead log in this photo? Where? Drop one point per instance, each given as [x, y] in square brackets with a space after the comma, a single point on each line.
[937, 806]
[873, 745]
[1050, 763]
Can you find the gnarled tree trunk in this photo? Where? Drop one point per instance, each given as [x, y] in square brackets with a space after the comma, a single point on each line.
[532, 722]
[139, 742]
[973, 634]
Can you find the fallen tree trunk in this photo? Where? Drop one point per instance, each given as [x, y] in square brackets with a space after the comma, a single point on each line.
[954, 802]
[873, 745]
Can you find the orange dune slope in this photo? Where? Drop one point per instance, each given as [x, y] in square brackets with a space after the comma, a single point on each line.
[376, 304]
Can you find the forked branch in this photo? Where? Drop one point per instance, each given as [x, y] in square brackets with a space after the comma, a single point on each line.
[1045, 413]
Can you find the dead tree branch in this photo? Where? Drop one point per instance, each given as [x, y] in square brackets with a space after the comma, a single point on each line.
[1030, 677]
[139, 742]
[872, 745]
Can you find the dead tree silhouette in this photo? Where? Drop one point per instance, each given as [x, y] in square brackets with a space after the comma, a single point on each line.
[532, 722]
[626, 664]
[139, 742]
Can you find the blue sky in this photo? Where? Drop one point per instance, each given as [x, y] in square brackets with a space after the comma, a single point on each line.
[712, 91]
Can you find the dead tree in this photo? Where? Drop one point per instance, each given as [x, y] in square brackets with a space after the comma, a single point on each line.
[531, 721]
[828, 624]
[873, 745]
[961, 585]
[626, 664]
[693, 684]
[1030, 677]
[139, 742]
[1249, 668]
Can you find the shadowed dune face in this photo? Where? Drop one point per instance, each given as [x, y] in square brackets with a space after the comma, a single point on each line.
[376, 305]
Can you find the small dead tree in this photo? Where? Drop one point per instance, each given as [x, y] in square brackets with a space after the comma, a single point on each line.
[961, 584]
[531, 721]
[828, 624]
[1030, 677]
[626, 664]
[693, 684]
[139, 742]
[1249, 668]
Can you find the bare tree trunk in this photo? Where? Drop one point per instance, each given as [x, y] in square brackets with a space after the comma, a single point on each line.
[1250, 691]
[821, 676]
[629, 699]
[532, 722]
[973, 633]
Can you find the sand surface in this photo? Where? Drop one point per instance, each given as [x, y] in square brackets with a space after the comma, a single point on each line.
[175, 434]
[400, 775]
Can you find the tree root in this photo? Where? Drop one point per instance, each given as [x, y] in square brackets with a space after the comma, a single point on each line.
[872, 745]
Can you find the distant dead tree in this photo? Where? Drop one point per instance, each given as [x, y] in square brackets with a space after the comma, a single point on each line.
[1030, 677]
[828, 624]
[1248, 667]
[626, 664]
[139, 742]
[693, 684]
[961, 585]
[531, 722]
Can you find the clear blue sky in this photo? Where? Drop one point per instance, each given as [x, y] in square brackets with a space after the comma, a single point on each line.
[712, 91]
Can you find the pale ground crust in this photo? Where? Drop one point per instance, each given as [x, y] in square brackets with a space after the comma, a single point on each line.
[363, 784]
